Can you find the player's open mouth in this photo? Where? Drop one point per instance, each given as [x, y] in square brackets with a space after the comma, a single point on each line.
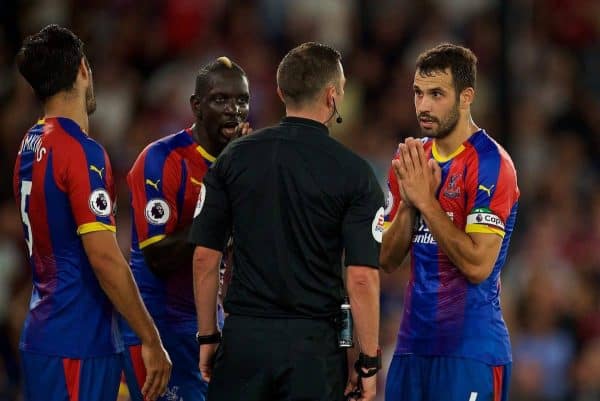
[427, 124]
[229, 129]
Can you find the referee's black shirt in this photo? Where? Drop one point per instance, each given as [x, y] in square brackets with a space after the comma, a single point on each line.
[295, 201]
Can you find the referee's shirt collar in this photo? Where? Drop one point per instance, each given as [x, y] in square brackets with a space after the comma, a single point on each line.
[307, 122]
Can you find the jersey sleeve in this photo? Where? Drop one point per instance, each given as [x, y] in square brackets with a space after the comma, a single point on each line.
[362, 227]
[212, 217]
[392, 199]
[87, 180]
[492, 192]
[154, 182]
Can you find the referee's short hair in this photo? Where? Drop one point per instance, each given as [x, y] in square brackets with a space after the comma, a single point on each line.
[306, 70]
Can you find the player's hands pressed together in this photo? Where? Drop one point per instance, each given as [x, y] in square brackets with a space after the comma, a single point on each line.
[158, 370]
[207, 359]
[418, 177]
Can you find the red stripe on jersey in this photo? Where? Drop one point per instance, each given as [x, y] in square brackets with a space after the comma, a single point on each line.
[72, 368]
[139, 369]
[507, 192]
[136, 183]
[498, 373]
[72, 175]
[472, 180]
[42, 252]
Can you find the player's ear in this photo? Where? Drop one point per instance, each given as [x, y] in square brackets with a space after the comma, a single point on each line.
[84, 72]
[466, 97]
[195, 106]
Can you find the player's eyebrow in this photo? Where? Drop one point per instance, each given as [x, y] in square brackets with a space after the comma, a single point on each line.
[436, 89]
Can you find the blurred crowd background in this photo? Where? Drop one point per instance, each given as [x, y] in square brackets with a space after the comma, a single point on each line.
[538, 94]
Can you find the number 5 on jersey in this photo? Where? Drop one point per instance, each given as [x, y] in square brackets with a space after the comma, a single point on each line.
[25, 192]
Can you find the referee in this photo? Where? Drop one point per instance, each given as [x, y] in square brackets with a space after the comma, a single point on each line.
[296, 203]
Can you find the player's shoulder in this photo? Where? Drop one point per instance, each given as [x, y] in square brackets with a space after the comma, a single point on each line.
[165, 146]
[72, 141]
[487, 149]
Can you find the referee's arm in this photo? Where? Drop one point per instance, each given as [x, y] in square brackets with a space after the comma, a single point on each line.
[362, 232]
[209, 232]
[363, 290]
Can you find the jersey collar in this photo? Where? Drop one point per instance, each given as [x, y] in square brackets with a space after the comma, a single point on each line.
[307, 122]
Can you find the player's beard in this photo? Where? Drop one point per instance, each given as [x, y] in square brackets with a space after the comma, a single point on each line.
[445, 126]
[90, 100]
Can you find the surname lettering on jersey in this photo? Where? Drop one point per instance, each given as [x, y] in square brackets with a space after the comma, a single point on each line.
[33, 143]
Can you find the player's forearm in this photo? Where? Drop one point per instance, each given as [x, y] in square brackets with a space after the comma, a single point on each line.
[169, 254]
[116, 280]
[363, 290]
[396, 239]
[456, 244]
[206, 286]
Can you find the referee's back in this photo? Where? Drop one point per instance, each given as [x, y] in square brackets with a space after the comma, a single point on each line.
[297, 198]
[298, 205]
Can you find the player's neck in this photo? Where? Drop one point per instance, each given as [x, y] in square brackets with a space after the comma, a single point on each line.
[68, 106]
[200, 136]
[447, 145]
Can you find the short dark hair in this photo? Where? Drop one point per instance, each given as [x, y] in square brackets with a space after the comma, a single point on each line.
[220, 64]
[461, 61]
[49, 60]
[306, 70]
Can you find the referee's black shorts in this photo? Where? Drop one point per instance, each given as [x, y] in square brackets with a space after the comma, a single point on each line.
[263, 359]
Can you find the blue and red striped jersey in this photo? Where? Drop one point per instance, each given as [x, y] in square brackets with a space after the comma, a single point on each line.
[165, 182]
[444, 314]
[64, 188]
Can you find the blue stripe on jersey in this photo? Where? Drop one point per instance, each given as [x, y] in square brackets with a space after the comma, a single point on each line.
[155, 159]
[489, 168]
[181, 191]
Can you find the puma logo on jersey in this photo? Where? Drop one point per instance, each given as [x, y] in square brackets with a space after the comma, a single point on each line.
[195, 181]
[152, 184]
[486, 190]
[95, 169]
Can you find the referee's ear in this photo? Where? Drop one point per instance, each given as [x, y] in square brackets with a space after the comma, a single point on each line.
[280, 94]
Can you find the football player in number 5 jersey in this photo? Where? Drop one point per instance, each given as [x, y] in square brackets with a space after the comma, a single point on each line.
[63, 185]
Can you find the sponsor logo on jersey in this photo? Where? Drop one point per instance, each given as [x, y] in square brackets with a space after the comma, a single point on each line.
[422, 235]
[486, 217]
[157, 211]
[377, 225]
[100, 203]
[97, 170]
[200, 202]
[153, 184]
[485, 189]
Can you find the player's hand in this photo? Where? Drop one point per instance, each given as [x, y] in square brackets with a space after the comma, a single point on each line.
[352, 384]
[158, 370]
[207, 360]
[243, 129]
[369, 388]
[417, 175]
